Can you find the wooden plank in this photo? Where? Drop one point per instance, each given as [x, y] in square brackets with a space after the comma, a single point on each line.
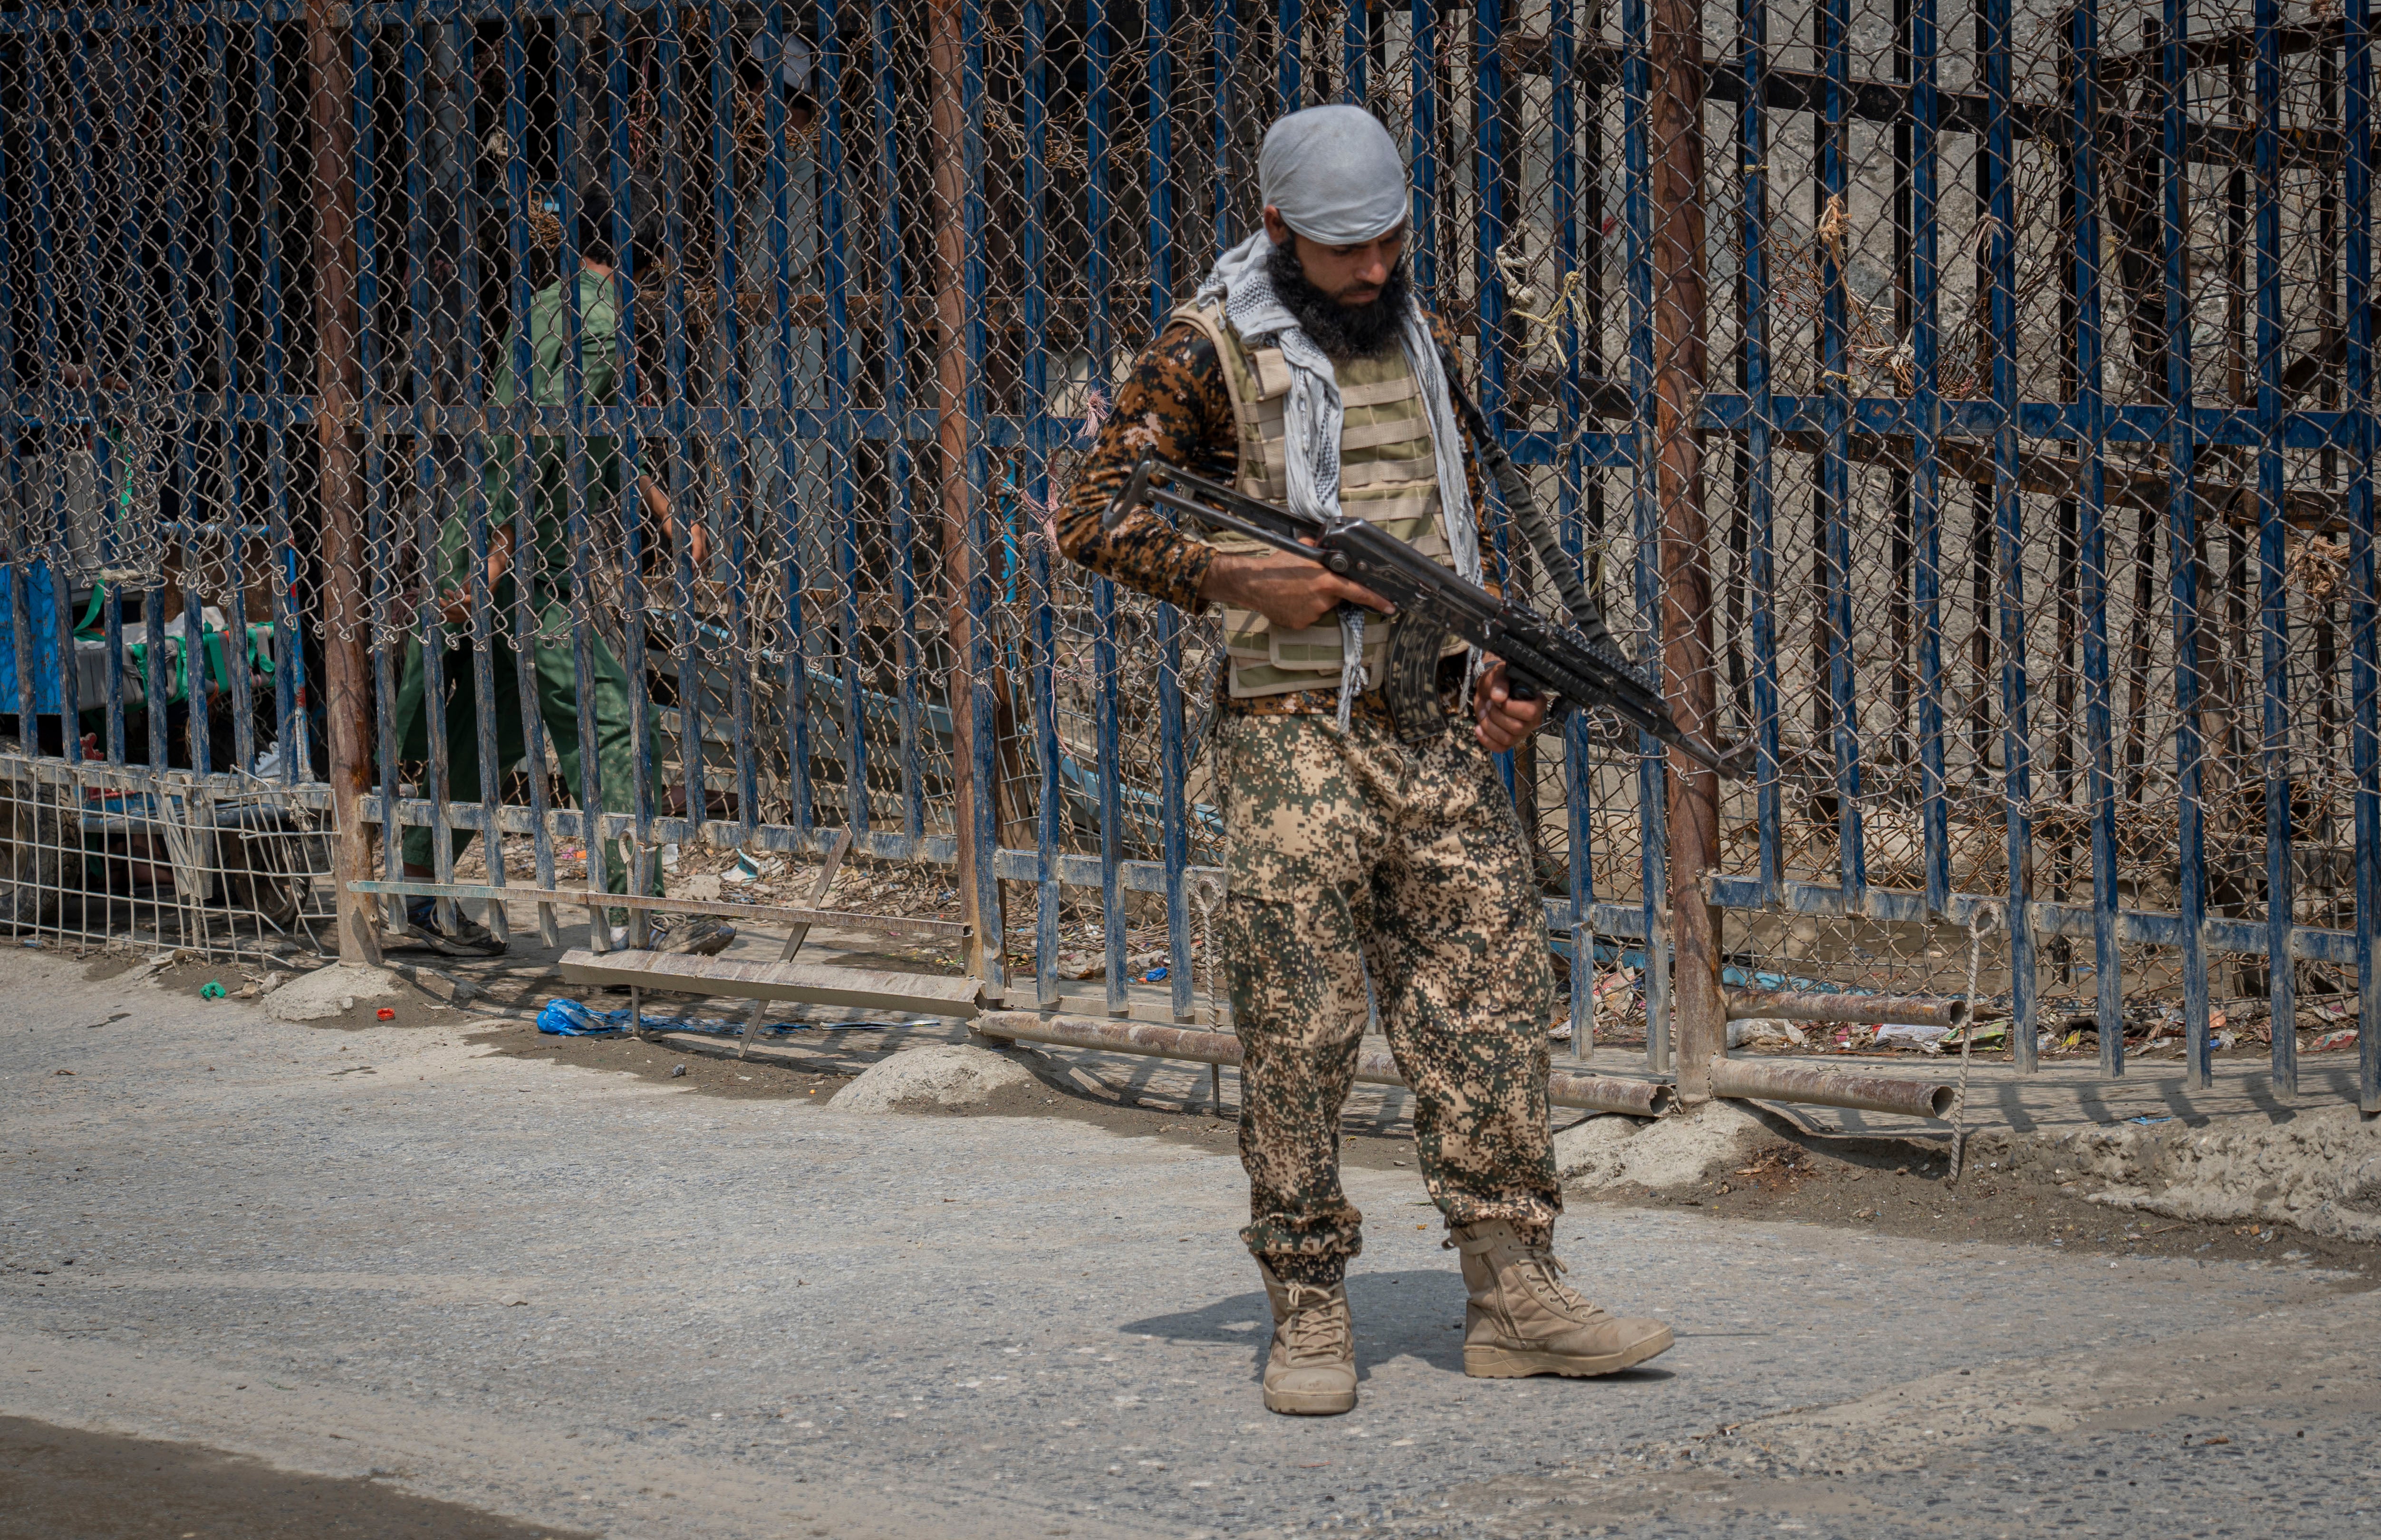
[881, 924]
[808, 983]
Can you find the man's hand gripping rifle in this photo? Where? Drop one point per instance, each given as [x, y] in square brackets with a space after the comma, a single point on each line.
[1579, 671]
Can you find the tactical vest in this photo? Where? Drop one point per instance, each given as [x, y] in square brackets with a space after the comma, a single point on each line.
[1389, 475]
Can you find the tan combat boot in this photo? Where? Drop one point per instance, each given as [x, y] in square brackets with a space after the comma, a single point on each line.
[1312, 1370]
[1521, 1320]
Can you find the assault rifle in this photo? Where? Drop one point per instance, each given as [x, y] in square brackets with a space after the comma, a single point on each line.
[1581, 671]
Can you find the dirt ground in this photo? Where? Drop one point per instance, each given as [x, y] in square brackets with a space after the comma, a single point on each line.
[1883, 1186]
[64, 1484]
[1897, 1188]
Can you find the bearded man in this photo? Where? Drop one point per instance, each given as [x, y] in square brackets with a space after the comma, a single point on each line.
[1358, 849]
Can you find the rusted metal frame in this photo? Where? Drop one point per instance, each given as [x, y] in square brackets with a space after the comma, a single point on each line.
[1769, 1081]
[1797, 1005]
[1678, 363]
[339, 386]
[1636, 1098]
[954, 88]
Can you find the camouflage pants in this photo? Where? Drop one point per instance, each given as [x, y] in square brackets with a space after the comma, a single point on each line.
[1352, 854]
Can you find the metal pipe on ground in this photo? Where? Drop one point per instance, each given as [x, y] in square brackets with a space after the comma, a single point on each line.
[1794, 1005]
[1635, 1098]
[1752, 1080]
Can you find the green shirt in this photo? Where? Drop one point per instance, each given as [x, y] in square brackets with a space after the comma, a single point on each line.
[547, 561]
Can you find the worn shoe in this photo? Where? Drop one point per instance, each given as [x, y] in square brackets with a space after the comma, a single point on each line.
[698, 935]
[1312, 1372]
[463, 938]
[1521, 1319]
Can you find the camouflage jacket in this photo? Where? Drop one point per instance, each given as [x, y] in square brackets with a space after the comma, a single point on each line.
[1175, 403]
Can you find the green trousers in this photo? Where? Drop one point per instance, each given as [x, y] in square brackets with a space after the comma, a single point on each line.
[559, 684]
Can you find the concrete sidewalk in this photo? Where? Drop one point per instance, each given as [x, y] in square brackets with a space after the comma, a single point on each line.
[595, 1302]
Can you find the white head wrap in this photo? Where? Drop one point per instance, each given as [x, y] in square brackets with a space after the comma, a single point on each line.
[1337, 178]
[1335, 173]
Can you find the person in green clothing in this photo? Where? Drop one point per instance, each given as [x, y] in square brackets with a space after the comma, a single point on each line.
[547, 568]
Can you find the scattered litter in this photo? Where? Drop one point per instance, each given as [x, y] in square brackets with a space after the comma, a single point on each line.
[2331, 1041]
[563, 1017]
[61, 1072]
[1909, 1034]
[384, 1014]
[32, 941]
[211, 990]
[2146, 1119]
[1763, 1029]
[676, 1070]
[1155, 975]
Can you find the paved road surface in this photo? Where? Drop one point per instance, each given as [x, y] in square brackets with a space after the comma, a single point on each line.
[586, 1302]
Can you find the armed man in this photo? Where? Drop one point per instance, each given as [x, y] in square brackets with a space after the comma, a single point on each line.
[1358, 845]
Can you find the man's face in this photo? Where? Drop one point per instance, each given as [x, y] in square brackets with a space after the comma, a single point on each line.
[1350, 275]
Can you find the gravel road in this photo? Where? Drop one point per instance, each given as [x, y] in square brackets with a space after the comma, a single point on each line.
[599, 1303]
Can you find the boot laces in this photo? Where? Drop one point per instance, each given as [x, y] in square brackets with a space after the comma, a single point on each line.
[1542, 1271]
[1314, 1328]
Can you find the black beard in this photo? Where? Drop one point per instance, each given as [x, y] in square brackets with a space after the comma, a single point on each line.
[1345, 333]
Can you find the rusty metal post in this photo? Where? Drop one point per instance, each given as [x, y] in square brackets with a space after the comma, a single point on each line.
[1674, 127]
[337, 383]
[946, 64]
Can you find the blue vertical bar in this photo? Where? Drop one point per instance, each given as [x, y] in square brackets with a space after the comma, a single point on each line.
[1422, 238]
[2183, 526]
[2273, 599]
[218, 45]
[2366, 675]
[2008, 515]
[1579, 767]
[786, 469]
[1225, 25]
[2090, 362]
[13, 570]
[1355, 50]
[1289, 30]
[55, 409]
[527, 575]
[1761, 558]
[1174, 812]
[730, 462]
[1487, 171]
[897, 409]
[578, 523]
[836, 280]
[1925, 475]
[681, 419]
[1654, 844]
[1835, 458]
[1035, 406]
[134, 210]
[1097, 275]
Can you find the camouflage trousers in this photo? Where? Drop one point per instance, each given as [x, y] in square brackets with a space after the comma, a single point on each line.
[1352, 854]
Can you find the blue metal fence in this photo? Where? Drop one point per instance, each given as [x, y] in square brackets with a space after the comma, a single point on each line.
[2035, 331]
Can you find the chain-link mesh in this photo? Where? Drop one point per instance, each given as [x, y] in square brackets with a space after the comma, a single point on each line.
[718, 370]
